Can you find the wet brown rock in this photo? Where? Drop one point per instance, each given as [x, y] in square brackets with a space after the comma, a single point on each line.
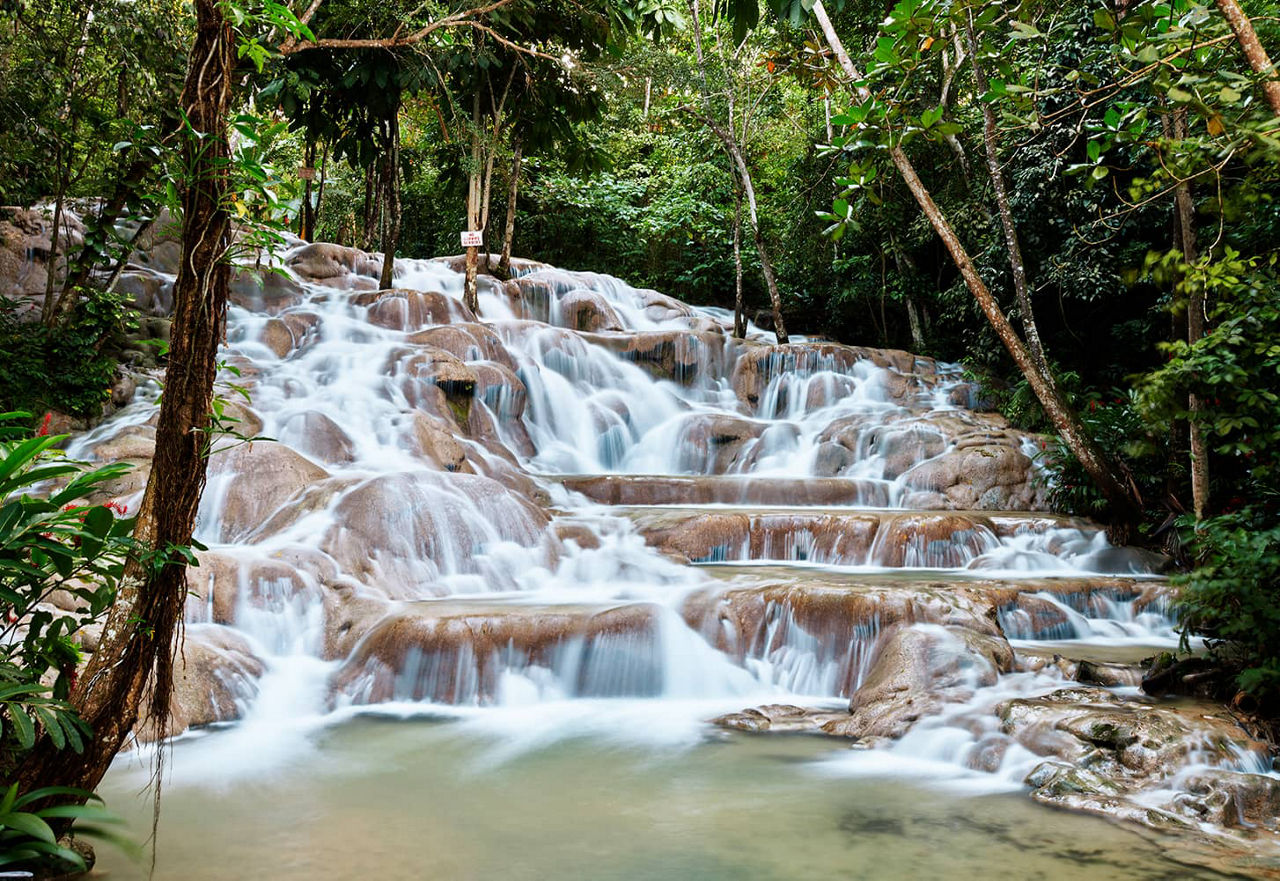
[716, 443]
[263, 477]
[224, 583]
[455, 652]
[267, 292]
[215, 677]
[467, 342]
[335, 266]
[679, 356]
[777, 719]
[436, 381]
[402, 532]
[934, 541]
[412, 310]
[919, 669]
[432, 439]
[316, 435]
[587, 310]
[843, 539]
[841, 622]
[152, 292]
[623, 489]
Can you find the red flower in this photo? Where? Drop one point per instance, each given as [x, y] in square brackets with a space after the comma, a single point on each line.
[44, 426]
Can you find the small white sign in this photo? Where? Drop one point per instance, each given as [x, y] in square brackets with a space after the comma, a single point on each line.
[473, 238]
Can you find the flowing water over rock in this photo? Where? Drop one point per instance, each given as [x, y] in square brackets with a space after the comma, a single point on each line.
[586, 522]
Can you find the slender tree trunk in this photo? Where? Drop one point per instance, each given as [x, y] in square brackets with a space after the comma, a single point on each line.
[739, 310]
[48, 312]
[324, 162]
[469, 294]
[509, 233]
[1247, 37]
[135, 656]
[907, 269]
[306, 225]
[391, 207]
[766, 265]
[739, 162]
[1195, 330]
[1126, 505]
[484, 206]
[990, 138]
[370, 218]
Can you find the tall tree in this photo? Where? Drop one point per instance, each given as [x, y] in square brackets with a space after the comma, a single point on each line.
[732, 129]
[136, 652]
[1106, 474]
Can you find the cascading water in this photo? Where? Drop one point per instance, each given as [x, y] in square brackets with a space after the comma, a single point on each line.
[433, 527]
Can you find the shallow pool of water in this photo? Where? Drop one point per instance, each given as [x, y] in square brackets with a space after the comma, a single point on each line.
[381, 798]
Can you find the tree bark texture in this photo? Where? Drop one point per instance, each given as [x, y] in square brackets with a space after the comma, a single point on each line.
[509, 233]
[1195, 330]
[1257, 56]
[469, 294]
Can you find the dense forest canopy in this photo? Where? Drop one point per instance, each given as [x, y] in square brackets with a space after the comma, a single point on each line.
[1078, 202]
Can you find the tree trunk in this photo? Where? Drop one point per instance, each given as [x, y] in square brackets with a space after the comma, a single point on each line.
[486, 191]
[469, 294]
[369, 221]
[135, 656]
[1195, 330]
[766, 266]
[739, 310]
[509, 233]
[391, 207]
[990, 140]
[739, 162]
[306, 225]
[48, 312]
[1247, 37]
[1126, 505]
[324, 162]
[744, 180]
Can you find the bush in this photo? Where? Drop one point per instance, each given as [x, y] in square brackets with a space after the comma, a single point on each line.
[68, 368]
[1230, 599]
[50, 541]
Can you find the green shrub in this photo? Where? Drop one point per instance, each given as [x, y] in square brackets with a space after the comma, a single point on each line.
[70, 367]
[1231, 599]
[50, 541]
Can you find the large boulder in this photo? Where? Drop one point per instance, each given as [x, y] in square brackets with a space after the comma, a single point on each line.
[215, 679]
[403, 533]
[412, 310]
[259, 479]
[335, 266]
[918, 670]
[457, 652]
[583, 309]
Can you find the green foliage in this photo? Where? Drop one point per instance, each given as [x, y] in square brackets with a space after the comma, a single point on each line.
[1234, 370]
[27, 841]
[1230, 598]
[69, 368]
[51, 541]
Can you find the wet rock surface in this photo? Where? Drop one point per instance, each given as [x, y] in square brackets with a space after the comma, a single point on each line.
[587, 490]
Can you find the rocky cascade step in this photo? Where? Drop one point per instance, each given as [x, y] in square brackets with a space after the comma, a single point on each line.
[631, 490]
[890, 539]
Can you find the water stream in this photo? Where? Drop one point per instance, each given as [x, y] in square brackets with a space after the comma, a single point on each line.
[471, 663]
